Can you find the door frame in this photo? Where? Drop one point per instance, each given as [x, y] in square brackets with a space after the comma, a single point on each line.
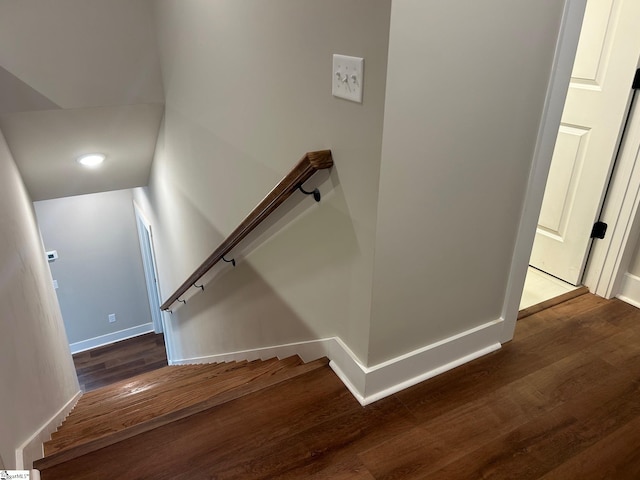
[566, 47]
[610, 257]
[151, 272]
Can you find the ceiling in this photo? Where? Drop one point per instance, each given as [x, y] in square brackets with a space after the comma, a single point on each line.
[79, 76]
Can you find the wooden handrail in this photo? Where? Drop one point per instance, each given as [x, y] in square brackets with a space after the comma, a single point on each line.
[306, 167]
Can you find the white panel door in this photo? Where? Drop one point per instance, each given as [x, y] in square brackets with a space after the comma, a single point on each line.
[592, 120]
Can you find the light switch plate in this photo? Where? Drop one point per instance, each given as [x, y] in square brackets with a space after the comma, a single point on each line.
[347, 77]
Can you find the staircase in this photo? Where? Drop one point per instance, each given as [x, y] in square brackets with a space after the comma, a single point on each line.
[131, 407]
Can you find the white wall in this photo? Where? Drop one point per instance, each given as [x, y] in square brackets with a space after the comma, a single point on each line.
[37, 375]
[629, 285]
[99, 269]
[465, 90]
[634, 268]
[82, 53]
[248, 92]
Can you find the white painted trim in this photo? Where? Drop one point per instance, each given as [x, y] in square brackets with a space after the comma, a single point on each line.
[566, 47]
[32, 449]
[630, 290]
[346, 379]
[308, 351]
[610, 258]
[166, 326]
[415, 367]
[349, 369]
[150, 272]
[109, 338]
[370, 384]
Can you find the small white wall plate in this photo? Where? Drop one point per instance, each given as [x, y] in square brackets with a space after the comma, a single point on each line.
[347, 77]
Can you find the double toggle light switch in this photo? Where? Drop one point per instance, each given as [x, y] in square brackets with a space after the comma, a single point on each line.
[347, 77]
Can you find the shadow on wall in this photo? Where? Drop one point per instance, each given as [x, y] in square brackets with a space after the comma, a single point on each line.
[188, 201]
[232, 174]
[296, 208]
[303, 248]
[230, 316]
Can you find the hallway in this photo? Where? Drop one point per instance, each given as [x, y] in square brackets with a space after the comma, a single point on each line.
[109, 364]
[561, 401]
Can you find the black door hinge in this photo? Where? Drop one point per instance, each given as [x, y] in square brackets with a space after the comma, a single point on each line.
[598, 230]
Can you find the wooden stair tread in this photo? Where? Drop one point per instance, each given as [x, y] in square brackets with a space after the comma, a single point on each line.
[156, 403]
[145, 403]
[159, 378]
[121, 396]
[161, 375]
[80, 436]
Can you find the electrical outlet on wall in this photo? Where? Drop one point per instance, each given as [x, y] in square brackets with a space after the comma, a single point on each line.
[112, 317]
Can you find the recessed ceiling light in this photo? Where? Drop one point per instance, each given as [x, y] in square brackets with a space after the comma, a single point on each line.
[91, 159]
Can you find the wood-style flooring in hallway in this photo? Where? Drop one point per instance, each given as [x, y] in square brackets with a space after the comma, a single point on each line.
[109, 364]
[561, 401]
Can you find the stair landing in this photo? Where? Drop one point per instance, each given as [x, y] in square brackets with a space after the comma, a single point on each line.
[130, 407]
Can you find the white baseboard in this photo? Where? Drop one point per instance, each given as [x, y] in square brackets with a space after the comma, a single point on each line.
[94, 342]
[308, 351]
[369, 384]
[32, 450]
[630, 290]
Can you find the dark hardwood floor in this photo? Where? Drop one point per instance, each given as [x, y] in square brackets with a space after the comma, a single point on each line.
[561, 401]
[106, 365]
